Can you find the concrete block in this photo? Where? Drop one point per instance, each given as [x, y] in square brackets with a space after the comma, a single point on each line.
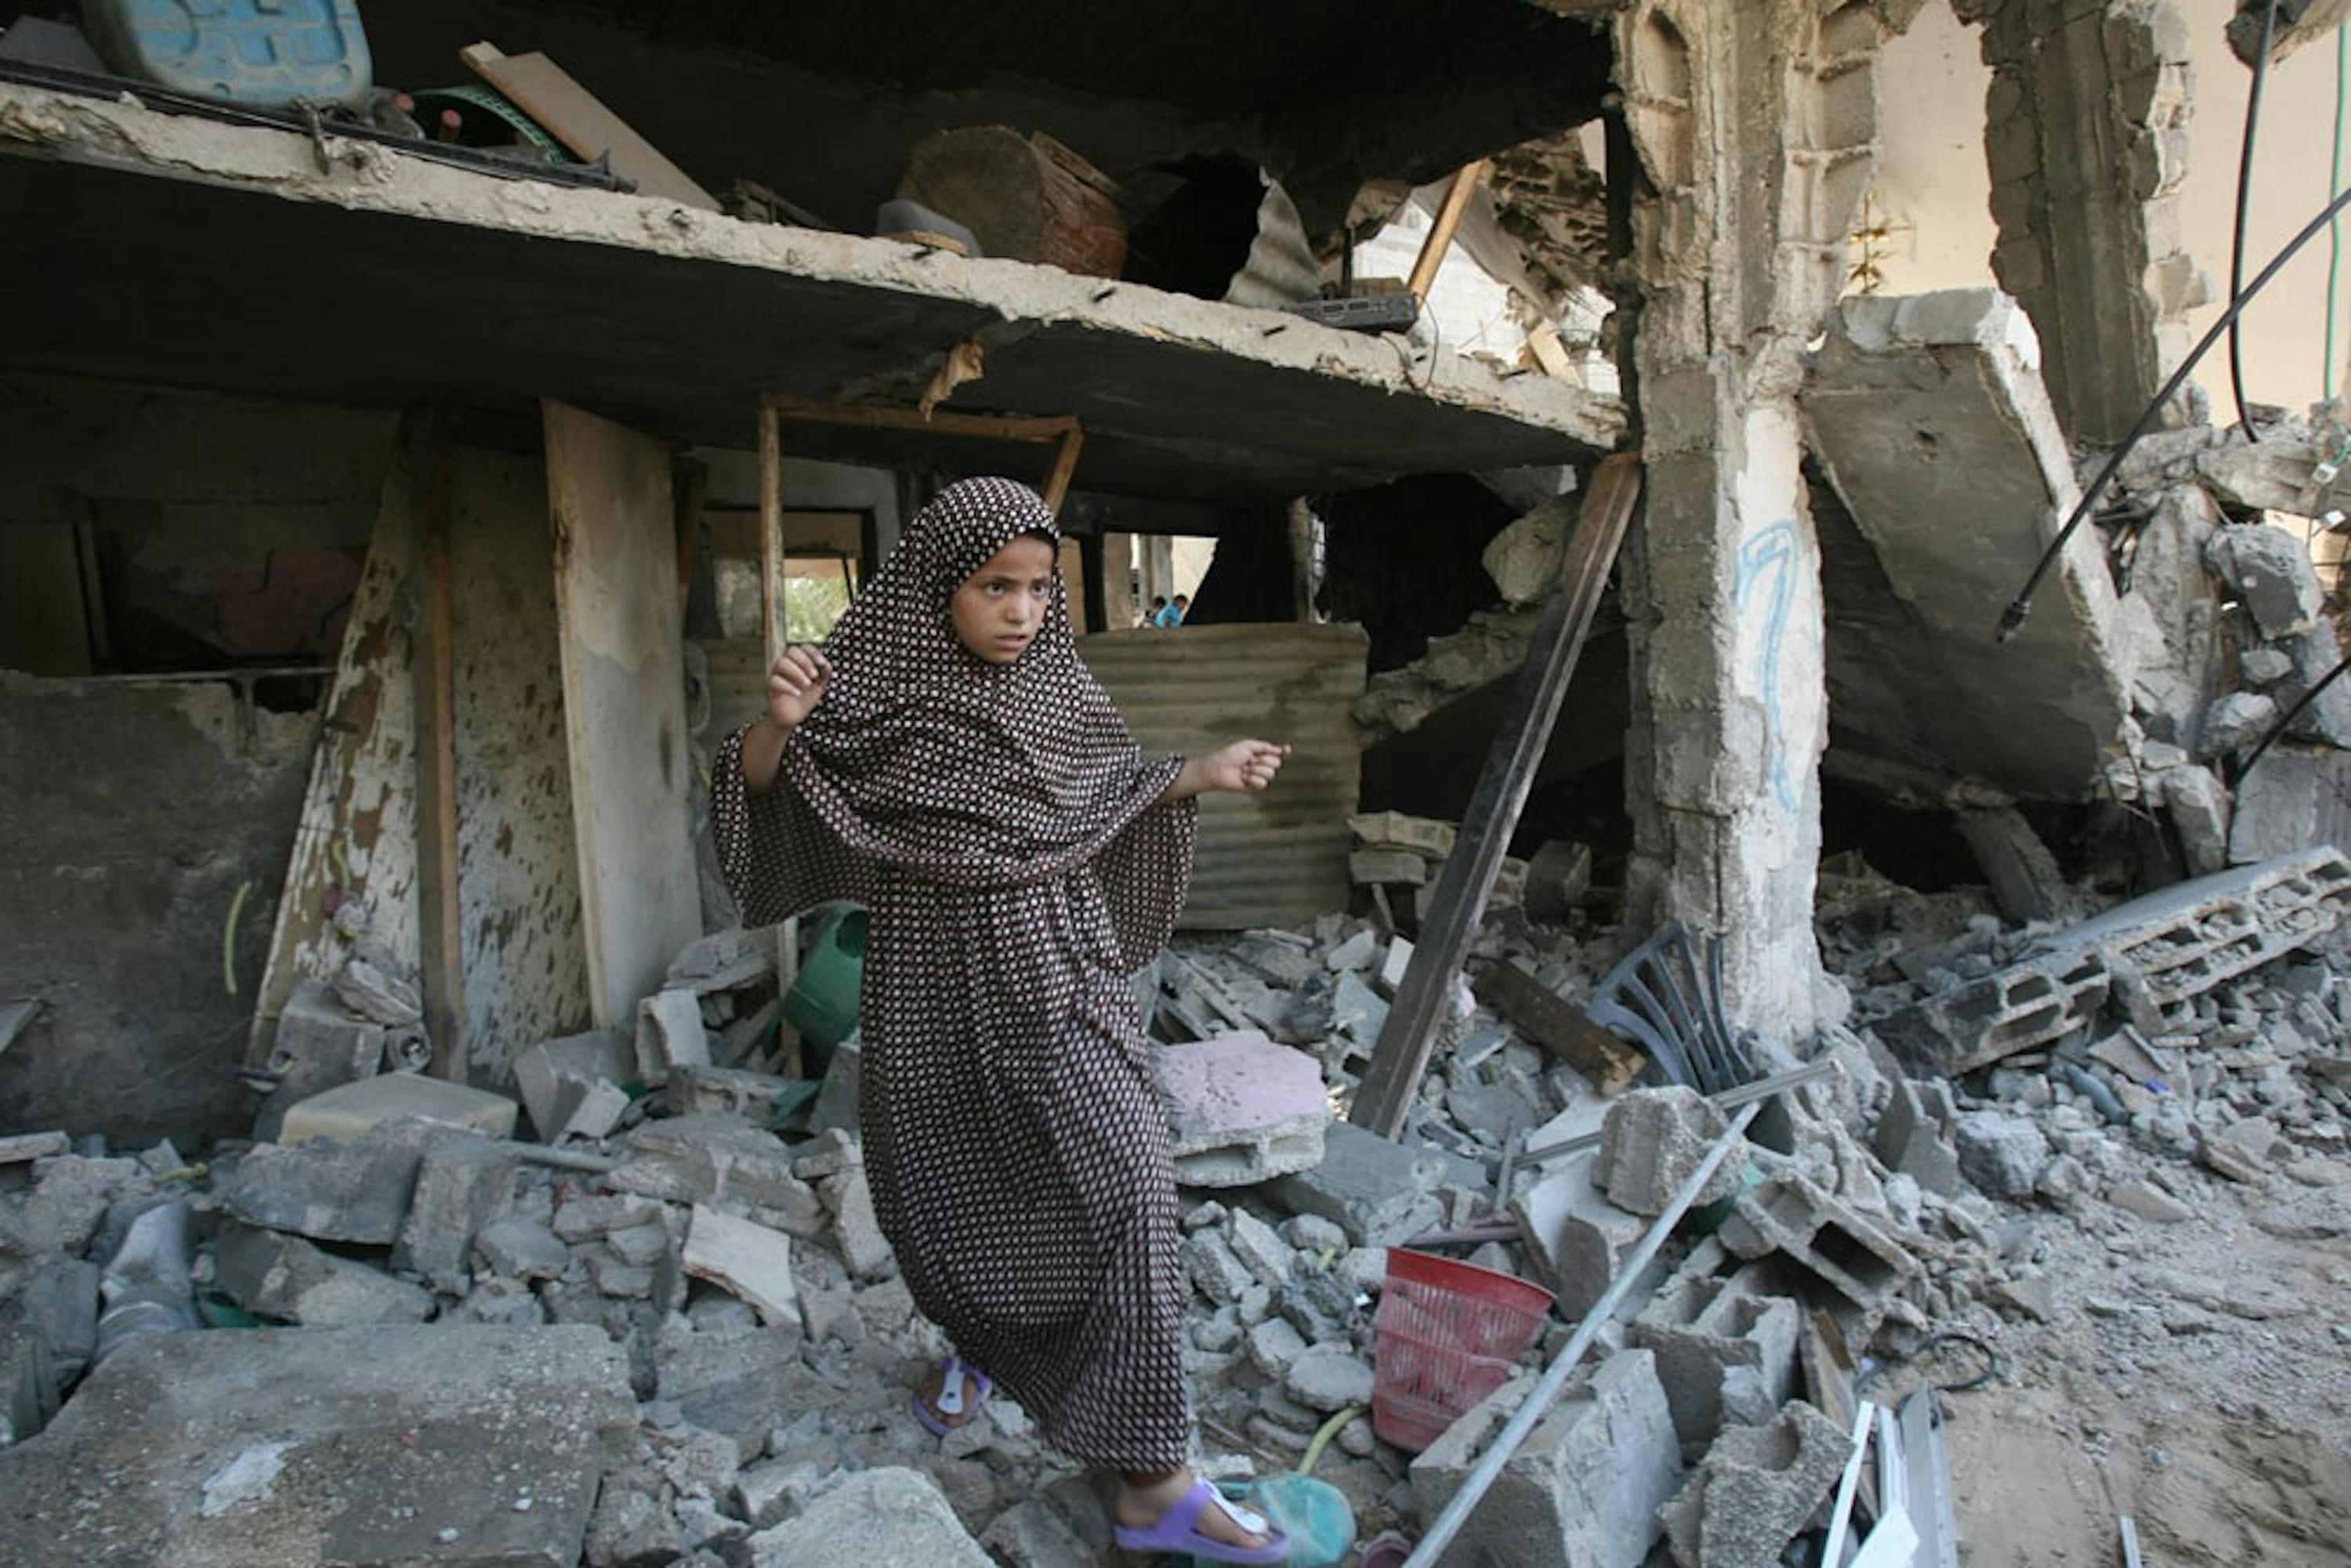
[558, 1075]
[285, 1277]
[1272, 1346]
[749, 1261]
[1704, 1326]
[1329, 1378]
[2314, 652]
[897, 1518]
[516, 1247]
[19, 1147]
[1914, 1134]
[1386, 868]
[836, 1099]
[227, 1450]
[2271, 573]
[1377, 1191]
[1526, 558]
[2003, 1155]
[1214, 1271]
[1577, 1237]
[711, 1159]
[2199, 808]
[351, 1109]
[1858, 1266]
[1395, 830]
[1756, 1488]
[1559, 879]
[2286, 805]
[723, 961]
[856, 1228]
[1242, 1109]
[1260, 1250]
[670, 1034]
[1652, 1140]
[1583, 1490]
[462, 1183]
[330, 1190]
[726, 1091]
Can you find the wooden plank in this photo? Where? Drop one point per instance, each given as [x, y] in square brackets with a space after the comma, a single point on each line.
[357, 833]
[1559, 1027]
[623, 703]
[942, 422]
[1400, 1058]
[1448, 219]
[771, 534]
[575, 116]
[524, 951]
[1065, 465]
[441, 929]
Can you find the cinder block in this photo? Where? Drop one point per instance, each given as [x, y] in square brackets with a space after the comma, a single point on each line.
[1756, 1488]
[1652, 1140]
[1706, 1324]
[1860, 1266]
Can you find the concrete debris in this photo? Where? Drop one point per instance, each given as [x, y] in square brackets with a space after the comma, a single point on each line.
[1652, 1142]
[748, 1260]
[1575, 1237]
[378, 993]
[320, 1044]
[463, 1183]
[1242, 1109]
[330, 1190]
[1755, 1490]
[1720, 1335]
[1526, 558]
[352, 1110]
[1853, 1265]
[556, 1077]
[2003, 1155]
[897, 1517]
[288, 1279]
[670, 1034]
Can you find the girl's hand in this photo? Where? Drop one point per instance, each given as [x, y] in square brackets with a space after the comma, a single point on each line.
[1245, 766]
[796, 683]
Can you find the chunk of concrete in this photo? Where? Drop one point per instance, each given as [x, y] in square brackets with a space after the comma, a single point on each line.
[735, 1378]
[320, 1044]
[1934, 428]
[2234, 722]
[557, 1076]
[516, 1247]
[2024, 877]
[836, 1098]
[1585, 1489]
[2270, 571]
[714, 1159]
[1705, 1327]
[749, 1261]
[330, 1190]
[1579, 1240]
[1652, 1140]
[378, 994]
[897, 1518]
[2003, 1154]
[2287, 804]
[1240, 1109]
[1858, 1266]
[1914, 1134]
[452, 1444]
[350, 1110]
[1526, 558]
[285, 1278]
[670, 1034]
[1756, 1488]
[1377, 1191]
[2199, 805]
[462, 1183]
[856, 1226]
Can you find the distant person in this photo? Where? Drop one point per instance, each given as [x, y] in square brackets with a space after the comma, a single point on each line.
[1167, 617]
[1158, 609]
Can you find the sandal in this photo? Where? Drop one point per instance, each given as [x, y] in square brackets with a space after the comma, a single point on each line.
[1176, 1531]
[953, 1371]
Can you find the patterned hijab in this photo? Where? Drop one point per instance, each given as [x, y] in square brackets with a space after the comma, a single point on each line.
[925, 759]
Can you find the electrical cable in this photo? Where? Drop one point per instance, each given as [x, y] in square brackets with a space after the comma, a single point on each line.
[2013, 618]
[2291, 714]
[2244, 198]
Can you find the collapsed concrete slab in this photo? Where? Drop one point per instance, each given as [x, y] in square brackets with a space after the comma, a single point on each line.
[2179, 942]
[1242, 1109]
[1934, 429]
[457, 1445]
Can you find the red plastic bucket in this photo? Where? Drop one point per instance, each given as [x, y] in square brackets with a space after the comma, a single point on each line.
[1449, 1333]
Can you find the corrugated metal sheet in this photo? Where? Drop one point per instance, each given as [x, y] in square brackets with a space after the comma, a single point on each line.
[1266, 859]
[1274, 859]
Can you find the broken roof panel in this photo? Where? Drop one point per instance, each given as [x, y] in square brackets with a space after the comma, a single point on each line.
[187, 252]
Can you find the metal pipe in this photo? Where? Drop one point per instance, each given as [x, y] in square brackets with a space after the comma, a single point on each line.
[1554, 1378]
[1729, 1099]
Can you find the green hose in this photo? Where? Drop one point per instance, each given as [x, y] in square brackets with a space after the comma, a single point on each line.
[228, 937]
[1323, 1436]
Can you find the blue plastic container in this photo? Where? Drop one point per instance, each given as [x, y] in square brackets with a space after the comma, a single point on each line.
[265, 52]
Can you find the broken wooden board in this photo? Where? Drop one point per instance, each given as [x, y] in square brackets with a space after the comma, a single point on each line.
[578, 119]
[1559, 1027]
[357, 835]
[521, 944]
[623, 703]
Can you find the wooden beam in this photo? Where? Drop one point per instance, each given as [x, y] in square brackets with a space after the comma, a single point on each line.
[1559, 1027]
[1400, 1060]
[941, 422]
[441, 929]
[1448, 220]
[578, 119]
[1065, 463]
[771, 537]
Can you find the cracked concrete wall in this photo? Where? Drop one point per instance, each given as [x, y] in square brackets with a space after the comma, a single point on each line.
[2087, 144]
[1756, 130]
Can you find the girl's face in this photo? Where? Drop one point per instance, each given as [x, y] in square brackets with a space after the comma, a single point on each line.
[1000, 608]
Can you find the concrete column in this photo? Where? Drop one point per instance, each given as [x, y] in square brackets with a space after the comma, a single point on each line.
[2085, 139]
[1755, 128]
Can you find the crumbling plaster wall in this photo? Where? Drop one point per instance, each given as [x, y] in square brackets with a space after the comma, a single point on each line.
[132, 808]
[1755, 127]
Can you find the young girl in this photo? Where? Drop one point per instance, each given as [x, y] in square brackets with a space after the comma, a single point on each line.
[946, 761]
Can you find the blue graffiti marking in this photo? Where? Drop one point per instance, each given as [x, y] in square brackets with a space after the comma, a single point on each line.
[1769, 558]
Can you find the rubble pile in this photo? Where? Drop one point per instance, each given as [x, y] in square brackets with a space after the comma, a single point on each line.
[685, 1273]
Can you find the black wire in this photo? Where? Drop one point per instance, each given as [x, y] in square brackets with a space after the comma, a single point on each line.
[2012, 619]
[2244, 195]
[2292, 714]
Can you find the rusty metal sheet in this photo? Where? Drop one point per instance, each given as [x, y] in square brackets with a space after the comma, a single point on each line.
[1275, 859]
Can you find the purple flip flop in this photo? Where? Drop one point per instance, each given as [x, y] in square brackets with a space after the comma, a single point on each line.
[953, 1371]
[1176, 1531]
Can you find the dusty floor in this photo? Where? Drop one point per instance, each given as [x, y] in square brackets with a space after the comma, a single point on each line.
[2227, 1437]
